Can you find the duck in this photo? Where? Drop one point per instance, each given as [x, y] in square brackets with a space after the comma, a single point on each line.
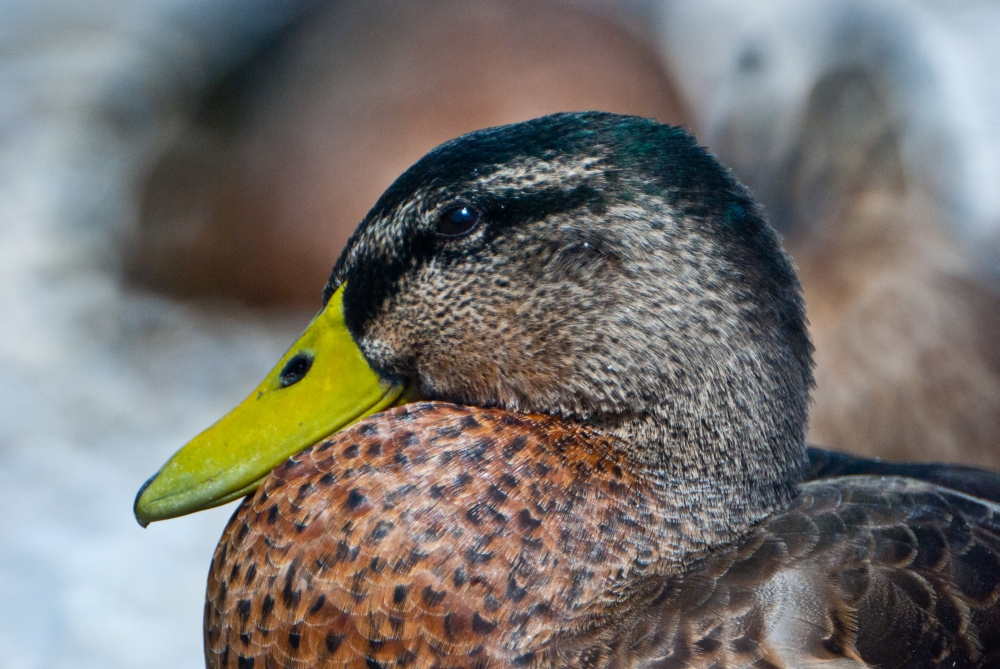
[553, 414]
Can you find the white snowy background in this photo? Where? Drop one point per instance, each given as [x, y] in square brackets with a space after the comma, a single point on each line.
[99, 383]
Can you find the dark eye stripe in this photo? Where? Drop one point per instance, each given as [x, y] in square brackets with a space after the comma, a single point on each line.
[295, 369]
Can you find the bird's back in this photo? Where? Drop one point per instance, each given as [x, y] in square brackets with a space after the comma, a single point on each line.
[860, 571]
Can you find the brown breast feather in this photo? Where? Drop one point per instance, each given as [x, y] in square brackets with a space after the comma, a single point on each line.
[444, 536]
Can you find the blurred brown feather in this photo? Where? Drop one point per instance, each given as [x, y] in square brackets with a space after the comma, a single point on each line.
[258, 206]
[907, 335]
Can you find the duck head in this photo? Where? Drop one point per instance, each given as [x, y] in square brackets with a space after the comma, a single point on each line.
[603, 269]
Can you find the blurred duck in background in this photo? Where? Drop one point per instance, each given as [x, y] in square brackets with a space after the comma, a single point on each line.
[287, 154]
[838, 117]
[220, 151]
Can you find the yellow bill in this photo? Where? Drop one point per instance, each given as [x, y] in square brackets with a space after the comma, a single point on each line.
[321, 385]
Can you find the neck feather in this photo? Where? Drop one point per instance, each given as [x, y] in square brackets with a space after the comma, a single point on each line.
[713, 480]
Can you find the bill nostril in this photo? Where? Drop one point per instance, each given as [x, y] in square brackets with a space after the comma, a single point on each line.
[295, 369]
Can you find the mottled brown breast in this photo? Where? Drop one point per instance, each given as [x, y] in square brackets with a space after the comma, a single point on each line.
[432, 535]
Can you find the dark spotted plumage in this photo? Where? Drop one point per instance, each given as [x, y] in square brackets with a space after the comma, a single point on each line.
[613, 473]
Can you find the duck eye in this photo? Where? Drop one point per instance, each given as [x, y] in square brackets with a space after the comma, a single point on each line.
[458, 221]
[295, 369]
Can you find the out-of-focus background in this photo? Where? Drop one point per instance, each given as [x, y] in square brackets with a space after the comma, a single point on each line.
[177, 178]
